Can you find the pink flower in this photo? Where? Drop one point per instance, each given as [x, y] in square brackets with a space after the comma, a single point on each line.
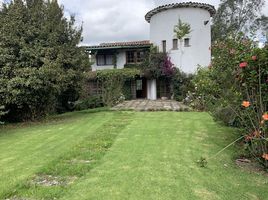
[243, 64]
[254, 58]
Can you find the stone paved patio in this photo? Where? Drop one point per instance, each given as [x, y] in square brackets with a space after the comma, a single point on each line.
[149, 105]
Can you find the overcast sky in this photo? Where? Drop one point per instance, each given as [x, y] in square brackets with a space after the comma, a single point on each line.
[116, 20]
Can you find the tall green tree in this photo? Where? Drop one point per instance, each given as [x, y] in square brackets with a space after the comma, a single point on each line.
[41, 65]
[236, 16]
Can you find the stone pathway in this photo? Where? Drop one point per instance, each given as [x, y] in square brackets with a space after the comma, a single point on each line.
[149, 105]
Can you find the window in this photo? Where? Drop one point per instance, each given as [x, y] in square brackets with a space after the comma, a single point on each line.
[100, 60]
[140, 56]
[135, 56]
[139, 84]
[164, 46]
[130, 56]
[187, 42]
[175, 44]
[109, 59]
[104, 60]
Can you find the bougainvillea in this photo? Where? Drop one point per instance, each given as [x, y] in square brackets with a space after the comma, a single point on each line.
[168, 68]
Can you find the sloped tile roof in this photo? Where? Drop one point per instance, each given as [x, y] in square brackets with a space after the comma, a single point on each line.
[211, 9]
[143, 43]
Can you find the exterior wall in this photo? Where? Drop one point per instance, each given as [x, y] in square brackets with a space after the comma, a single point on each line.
[120, 62]
[186, 58]
[151, 89]
[121, 59]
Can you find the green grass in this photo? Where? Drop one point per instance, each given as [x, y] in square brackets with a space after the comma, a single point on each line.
[130, 155]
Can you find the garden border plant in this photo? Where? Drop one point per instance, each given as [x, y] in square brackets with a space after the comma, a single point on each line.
[112, 83]
[233, 90]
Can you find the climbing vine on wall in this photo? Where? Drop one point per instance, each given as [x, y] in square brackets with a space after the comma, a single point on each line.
[112, 82]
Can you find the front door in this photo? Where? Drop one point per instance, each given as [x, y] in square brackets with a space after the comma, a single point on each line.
[141, 88]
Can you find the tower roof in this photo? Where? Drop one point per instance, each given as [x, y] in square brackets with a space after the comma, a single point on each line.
[211, 9]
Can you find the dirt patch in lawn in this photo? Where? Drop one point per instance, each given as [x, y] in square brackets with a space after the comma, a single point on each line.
[250, 166]
[75, 161]
[49, 180]
[18, 198]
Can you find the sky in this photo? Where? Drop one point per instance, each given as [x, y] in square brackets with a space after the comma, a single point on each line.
[116, 20]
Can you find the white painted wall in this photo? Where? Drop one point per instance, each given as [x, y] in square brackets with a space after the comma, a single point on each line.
[121, 61]
[186, 58]
[151, 89]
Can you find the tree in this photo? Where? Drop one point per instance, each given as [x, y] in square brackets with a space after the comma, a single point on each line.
[235, 16]
[181, 30]
[262, 22]
[40, 61]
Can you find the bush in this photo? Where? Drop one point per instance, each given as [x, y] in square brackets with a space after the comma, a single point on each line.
[157, 64]
[181, 84]
[112, 83]
[2, 113]
[234, 90]
[89, 103]
[40, 59]
[127, 90]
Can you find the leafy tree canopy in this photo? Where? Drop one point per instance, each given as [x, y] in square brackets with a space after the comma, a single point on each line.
[236, 16]
[181, 29]
[40, 63]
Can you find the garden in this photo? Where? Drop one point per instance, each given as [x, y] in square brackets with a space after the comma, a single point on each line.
[100, 154]
[57, 141]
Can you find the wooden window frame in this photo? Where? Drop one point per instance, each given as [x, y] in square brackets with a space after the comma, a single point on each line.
[164, 46]
[187, 45]
[135, 54]
[175, 41]
[105, 61]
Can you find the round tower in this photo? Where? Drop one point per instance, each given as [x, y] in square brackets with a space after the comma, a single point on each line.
[194, 48]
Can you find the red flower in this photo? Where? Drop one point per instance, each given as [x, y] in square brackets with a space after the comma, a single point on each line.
[254, 58]
[265, 117]
[246, 104]
[265, 156]
[243, 64]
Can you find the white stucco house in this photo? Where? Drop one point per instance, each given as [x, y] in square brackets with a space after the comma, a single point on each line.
[187, 54]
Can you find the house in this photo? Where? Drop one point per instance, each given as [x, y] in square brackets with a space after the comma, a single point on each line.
[187, 53]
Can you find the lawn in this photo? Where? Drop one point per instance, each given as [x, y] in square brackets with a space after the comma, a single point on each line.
[123, 155]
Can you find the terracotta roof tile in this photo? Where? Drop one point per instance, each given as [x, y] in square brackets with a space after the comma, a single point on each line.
[211, 9]
[122, 44]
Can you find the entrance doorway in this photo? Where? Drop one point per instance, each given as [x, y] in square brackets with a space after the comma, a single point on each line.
[141, 88]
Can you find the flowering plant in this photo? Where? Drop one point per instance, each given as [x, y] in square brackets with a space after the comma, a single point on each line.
[234, 90]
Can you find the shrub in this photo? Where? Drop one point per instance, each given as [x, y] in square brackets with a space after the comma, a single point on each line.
[181, 84]
[234, 90]
[157, 64]
[40, 59]
[112, 83]
[89, 103]
[2, 113]
[127, 90]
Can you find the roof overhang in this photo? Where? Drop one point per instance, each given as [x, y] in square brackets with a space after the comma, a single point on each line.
[120, 45]
[211, 9]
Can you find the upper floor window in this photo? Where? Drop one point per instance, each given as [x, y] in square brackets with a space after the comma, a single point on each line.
[140, 56]
[175, 44]
[130, 57]
[105, 59]
[135, 56]
[187, 42]
[164, 46]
